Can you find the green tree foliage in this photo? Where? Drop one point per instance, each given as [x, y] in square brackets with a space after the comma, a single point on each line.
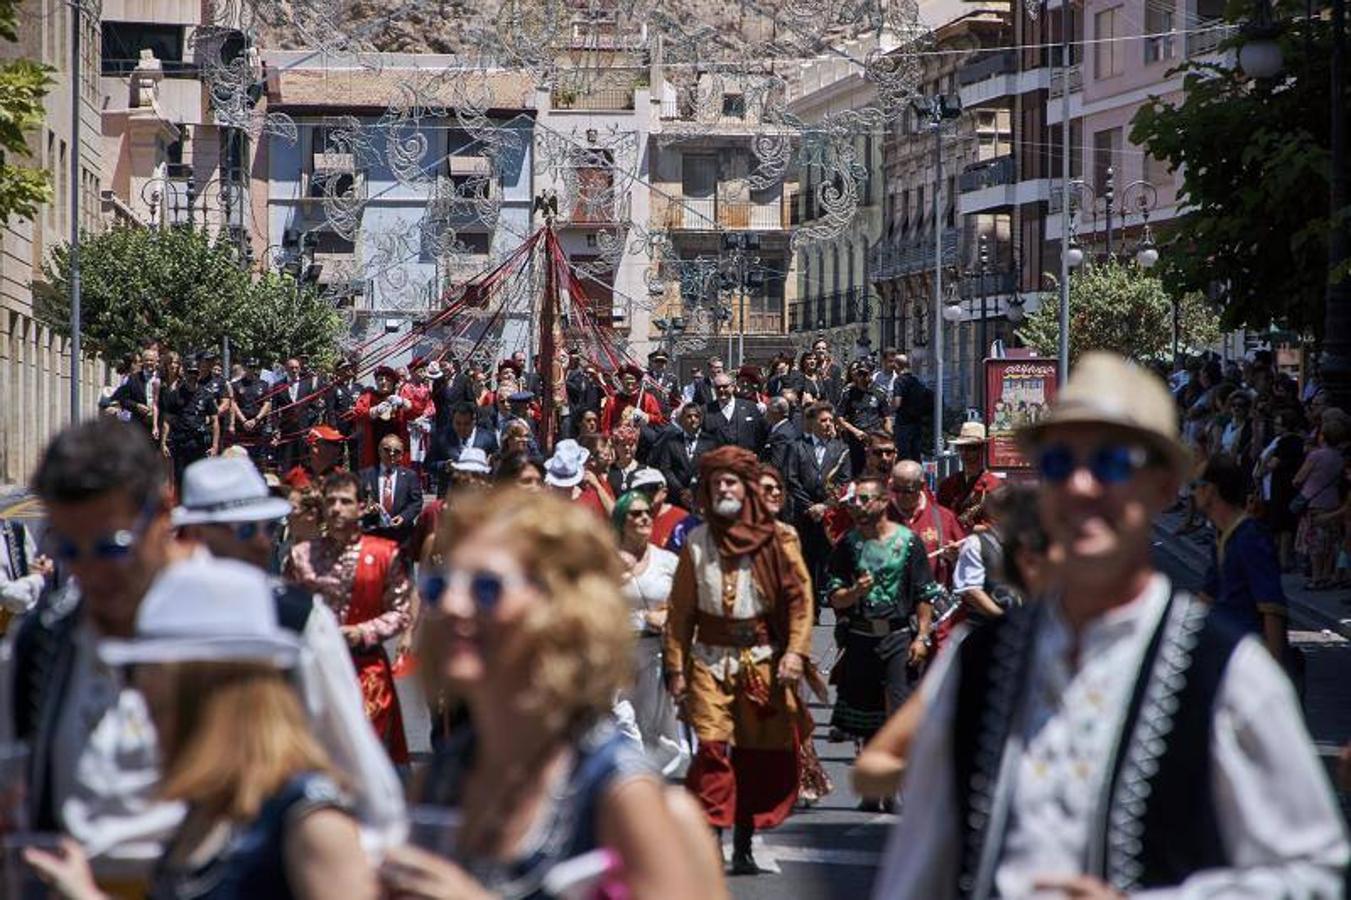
[1121, 308]
[23, 84]
[1253, 162]
[185, 288]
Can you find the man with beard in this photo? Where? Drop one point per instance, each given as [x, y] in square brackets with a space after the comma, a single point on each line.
[914, 507]
[190, 427]
[882, 587]
[737, 636]
[633, 404]
[380, 412]
[1116, 737]
[365, 584]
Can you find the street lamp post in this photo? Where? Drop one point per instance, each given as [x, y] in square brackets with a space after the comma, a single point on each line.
[984, 259]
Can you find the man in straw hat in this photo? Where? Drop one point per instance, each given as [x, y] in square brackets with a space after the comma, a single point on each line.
[964, 492]
[1113, 737]
[737, 636]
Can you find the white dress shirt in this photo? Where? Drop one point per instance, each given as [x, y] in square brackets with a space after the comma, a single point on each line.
[1277, 817]
[969, 572]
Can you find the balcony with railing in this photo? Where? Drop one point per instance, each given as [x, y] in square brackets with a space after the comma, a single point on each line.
[897, 259]
[1002, 170]
[1056, 87]
[990, 284]
[716, 214]
[592, 98]
[1207, 36]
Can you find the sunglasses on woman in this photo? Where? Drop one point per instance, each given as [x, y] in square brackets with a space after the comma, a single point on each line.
[484, 586]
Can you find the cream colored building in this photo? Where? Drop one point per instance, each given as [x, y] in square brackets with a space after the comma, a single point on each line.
[35, 367]
[836, 297]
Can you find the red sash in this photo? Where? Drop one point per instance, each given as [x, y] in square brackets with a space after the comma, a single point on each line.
[372, 663]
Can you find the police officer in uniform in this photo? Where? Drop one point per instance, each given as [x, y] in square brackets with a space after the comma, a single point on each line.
[193, 431]
[253, 409]
[341, 398]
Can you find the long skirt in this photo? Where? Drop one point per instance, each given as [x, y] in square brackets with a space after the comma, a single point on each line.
[869, 687]
[654, 712]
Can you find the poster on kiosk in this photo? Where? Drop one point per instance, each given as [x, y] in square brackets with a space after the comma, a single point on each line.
[1017, 393]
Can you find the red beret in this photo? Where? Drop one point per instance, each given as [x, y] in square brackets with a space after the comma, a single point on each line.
[633, 370]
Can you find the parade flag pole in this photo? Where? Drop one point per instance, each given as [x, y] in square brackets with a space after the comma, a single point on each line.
[548, 316]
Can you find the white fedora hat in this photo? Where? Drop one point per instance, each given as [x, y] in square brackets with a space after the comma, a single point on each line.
[226, 490]
[472, 459]
[206, 610]
[565, 468]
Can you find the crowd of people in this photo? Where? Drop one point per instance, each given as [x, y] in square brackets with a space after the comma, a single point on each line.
[613, 590]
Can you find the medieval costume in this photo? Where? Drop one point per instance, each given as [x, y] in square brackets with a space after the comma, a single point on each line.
[874, 676]
[964, 492]
[619, 408]
[937, 527]
[379, 413]
[367, 588]
[738, 605]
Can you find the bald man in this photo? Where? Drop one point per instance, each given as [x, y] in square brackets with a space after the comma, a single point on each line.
[915, 507]
[392, 494]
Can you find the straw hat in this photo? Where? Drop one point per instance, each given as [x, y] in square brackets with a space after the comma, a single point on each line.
[1105, 389]
[971, 434]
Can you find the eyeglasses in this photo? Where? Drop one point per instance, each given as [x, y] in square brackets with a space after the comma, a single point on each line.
[882, 451]
[391, 451]
[1109, 464]
[865, 499]
[112, 546]
[771, 488]
[906, 488]
[484, 586]
[641, 512]
[247, 531]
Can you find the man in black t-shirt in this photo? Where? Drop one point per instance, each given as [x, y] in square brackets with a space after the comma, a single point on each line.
[863, 409]
[913, 403]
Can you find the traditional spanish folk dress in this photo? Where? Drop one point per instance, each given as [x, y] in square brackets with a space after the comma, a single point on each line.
[367, 587]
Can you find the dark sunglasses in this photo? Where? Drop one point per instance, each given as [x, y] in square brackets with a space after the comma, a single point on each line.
[865, 499]
[906, 488]
[485, 588]
[1109, 464]
[771, 489]
[636, 513]
[882, 451]
[112, 546]
[247, 531]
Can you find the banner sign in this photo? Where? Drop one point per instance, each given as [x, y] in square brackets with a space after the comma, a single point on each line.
[1017, 393]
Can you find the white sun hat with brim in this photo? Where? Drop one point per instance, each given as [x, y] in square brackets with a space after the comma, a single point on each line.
[206, 610]
[221, 490]
[566, 467]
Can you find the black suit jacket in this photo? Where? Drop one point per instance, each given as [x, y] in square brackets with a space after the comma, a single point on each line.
[407, 500]
[448, 443]
[132, 392]
[671, 457]
[746, 429]
[305, 413]
[779, 444]
[807, 484]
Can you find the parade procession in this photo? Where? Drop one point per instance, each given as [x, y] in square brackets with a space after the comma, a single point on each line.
[599, 449]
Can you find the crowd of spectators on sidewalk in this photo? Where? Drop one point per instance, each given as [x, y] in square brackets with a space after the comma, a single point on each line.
[1291, 449]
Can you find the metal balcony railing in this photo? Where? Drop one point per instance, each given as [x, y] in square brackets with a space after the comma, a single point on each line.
[991, 284]
[597, 98]
[892, 260]
[991, 65]
[1001, 170]
[711, 214]
[1207, 37]
[1058, 80]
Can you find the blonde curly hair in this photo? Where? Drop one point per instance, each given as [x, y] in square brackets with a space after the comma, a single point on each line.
[584, 647]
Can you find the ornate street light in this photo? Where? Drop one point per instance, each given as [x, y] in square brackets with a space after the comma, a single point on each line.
[952, 312]
[1260, 55]
[1075, 256]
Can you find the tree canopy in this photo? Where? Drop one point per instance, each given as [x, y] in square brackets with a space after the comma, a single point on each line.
[183, 287]
[1119, 307]
[1253, 159]
[23, 84]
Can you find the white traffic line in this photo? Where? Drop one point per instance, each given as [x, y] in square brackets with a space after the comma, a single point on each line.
[768, 856]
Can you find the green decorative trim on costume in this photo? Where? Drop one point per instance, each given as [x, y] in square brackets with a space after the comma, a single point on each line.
[858, 722]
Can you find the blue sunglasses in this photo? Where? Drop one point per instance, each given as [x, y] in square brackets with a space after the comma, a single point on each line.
[1109, 464]
[485, 588]
[114, 546]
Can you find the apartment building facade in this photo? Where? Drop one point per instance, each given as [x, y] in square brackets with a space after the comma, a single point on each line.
[838, 299]
[35, 369]
[725, 266]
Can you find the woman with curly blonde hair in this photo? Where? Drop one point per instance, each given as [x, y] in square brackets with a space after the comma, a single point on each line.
[527, 628]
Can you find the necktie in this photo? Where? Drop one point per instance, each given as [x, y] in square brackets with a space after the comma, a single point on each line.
[820, 452]
[387, 495]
